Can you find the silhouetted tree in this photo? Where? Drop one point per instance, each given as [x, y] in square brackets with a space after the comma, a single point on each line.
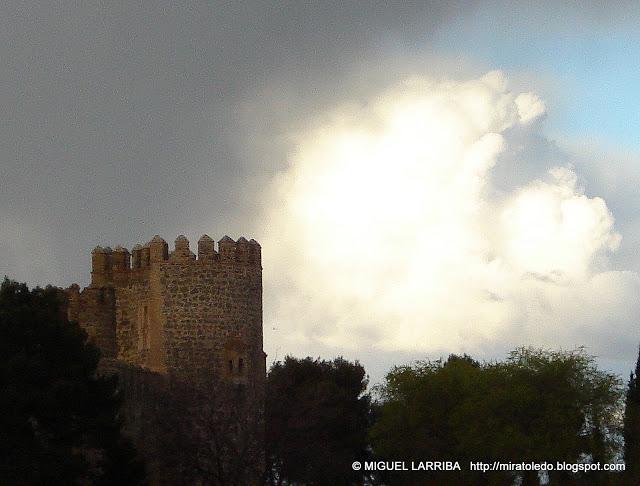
[536, 406]
[317, 417]
[632, 426]
[59, 422]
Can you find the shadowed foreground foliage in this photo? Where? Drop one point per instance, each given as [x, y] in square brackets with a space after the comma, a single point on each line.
[208, 436]
[317, 415]
[536, 406]
[632, 426]
[59, 423]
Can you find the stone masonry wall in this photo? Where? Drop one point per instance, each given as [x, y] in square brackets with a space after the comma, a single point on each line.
[96, 313]
[213, 314]
[130, 303]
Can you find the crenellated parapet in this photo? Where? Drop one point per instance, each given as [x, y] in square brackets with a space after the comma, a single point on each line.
[120, 259]
[136, 254]
[158, 250]
[206, 249]
[182, 253]
[118, 266]
[101, 267]
[241, 251]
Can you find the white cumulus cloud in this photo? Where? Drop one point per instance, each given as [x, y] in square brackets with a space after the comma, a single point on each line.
[386, 231]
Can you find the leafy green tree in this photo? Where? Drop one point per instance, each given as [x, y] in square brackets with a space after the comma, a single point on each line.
[317, 419]
[419, 418]
[632, 427]
[538, 405]
[59, 422]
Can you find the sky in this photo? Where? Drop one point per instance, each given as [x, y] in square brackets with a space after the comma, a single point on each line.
[425, 178]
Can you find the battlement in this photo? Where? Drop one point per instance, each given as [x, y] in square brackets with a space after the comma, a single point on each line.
[115, 266]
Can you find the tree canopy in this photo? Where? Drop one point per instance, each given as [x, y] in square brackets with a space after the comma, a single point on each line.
[59, 421]
[317, 417]
[632, 426]
[538, 405]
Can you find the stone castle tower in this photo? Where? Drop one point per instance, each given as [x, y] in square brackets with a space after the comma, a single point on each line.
[176, 314]
[163, 319]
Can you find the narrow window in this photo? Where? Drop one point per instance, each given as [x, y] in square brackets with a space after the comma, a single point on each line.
[240, 365]
[143, 328]
[146, 328]
[230, 366]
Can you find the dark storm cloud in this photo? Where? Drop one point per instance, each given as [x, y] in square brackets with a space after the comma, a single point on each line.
[125, 119]
[121, 120]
